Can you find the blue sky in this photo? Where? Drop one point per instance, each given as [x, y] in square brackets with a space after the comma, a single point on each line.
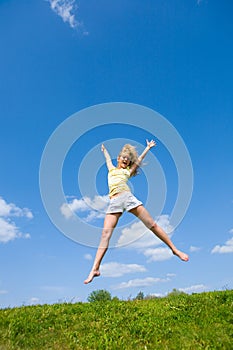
[61, 57]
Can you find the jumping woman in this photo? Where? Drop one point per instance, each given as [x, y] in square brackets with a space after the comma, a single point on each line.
[122, 199]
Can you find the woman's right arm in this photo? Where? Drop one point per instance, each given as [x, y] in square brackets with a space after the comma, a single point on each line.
[107, 157]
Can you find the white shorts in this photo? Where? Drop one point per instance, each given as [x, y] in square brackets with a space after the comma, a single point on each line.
[125, 201]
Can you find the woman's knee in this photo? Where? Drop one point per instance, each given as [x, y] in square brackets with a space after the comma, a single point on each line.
[145, 217]
[153, 226]
[106, 233]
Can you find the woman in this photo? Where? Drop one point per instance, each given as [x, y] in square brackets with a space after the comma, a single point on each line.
[122, 199]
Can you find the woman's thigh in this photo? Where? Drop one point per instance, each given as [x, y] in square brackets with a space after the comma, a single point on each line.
[111, 220]
[143, 215]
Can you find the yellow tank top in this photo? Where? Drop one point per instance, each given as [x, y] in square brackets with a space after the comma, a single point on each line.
[117, 179]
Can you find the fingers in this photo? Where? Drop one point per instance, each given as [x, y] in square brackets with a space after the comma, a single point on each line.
[151, 143]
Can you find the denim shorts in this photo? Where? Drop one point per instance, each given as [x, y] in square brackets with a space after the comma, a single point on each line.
[124, 201]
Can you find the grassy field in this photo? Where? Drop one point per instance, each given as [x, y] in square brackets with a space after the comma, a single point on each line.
[197, 321]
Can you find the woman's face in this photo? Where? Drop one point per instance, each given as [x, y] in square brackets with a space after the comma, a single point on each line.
[123, 160]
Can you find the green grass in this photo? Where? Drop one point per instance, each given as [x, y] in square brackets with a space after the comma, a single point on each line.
[197, 321]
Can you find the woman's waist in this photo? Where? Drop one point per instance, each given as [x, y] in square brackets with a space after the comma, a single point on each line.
[118, 194]
[119, 187]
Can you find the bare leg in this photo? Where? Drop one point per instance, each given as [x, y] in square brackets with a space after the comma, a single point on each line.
[149, 222]
[110, 223]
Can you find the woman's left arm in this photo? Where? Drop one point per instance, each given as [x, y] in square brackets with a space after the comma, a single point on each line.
[134, 167]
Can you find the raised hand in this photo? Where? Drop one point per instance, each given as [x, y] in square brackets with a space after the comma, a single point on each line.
[151, 143]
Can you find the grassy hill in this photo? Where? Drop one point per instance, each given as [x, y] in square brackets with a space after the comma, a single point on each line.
[197, 321]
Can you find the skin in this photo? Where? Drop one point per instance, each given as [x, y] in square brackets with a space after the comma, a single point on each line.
[111, 220]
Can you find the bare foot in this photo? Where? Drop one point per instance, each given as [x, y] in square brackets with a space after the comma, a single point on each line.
[93, 274]
[181, 255]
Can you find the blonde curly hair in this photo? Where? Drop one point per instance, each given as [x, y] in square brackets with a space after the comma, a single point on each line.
[132, 153]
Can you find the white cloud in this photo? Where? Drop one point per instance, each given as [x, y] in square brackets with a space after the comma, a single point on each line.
[97, 203]
[114, 269]
[194, 249]
[79, 205]
[226, 248]
[3, 292]
[194, 288]
[34, 301]
[88, 257]
[140, 282]
[93, 208]
[158, 254]
[93, 215]
[8, 229]
[54, 289]
[11, 209]
[138, 236]
[164, 222]
[156, 295]
[66, 10]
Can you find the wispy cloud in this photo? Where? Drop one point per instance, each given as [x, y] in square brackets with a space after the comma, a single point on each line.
[195, 288]
[140, 282]
[92, 209]
[67, 9]
[88, 257]
[171, 275]
[138, 237]
[54, 289]
[115, 269]
[225, 248]
[8, 229]
[33, 301]
[194, 249]
[3, 292]
[158, 254]
[10, 209]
